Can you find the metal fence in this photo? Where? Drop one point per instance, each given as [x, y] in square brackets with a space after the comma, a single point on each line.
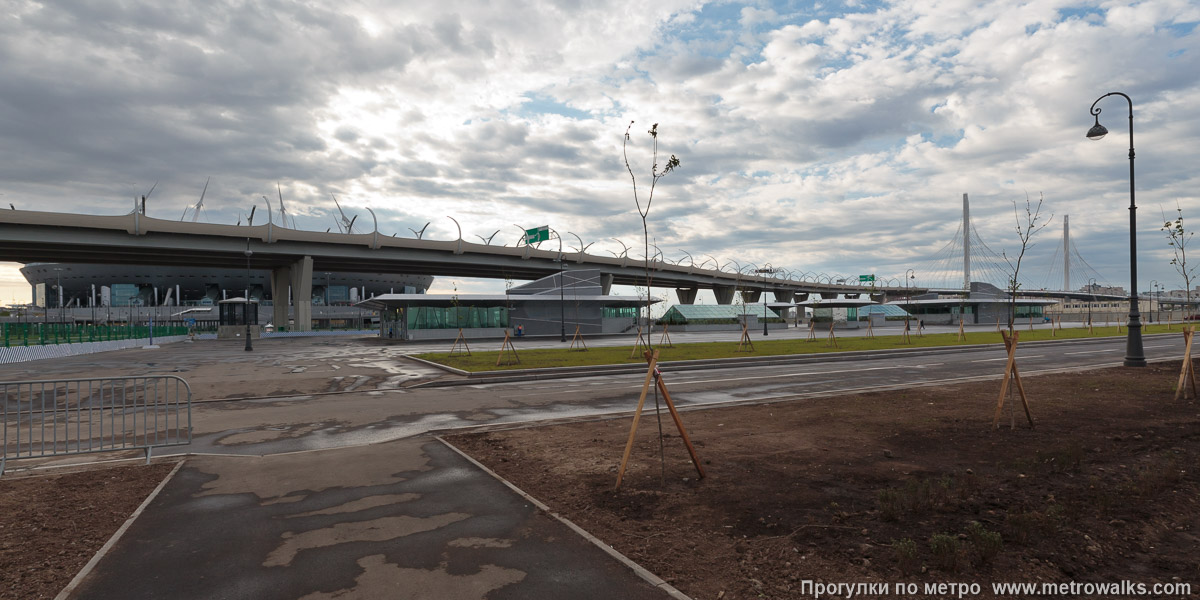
[79, 416]
[40, 334]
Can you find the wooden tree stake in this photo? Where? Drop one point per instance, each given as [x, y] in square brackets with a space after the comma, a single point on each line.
[832, 337]
[812, 331]
[507, 344]
[662, 387]
[907, 340]
[1011, 374]
[637, 415]
[962, 336]
[870, 333]
[461, 339]
[640, 343]
[666, 337]
[653, 374]
[745, 341]
[1187, 373]
[578, 338]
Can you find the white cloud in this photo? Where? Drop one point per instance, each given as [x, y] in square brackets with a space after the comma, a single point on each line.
[823, 139]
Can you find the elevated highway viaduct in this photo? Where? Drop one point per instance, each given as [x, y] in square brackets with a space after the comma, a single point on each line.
[293, 255]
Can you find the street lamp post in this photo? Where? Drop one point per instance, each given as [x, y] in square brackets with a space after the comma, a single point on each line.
[1158, 290]
[1135, 356]
[562, 303]
[246, 307]
[1153, 286]
[58, 290]
[764, 272]
[909, 275]
[1092, 289]
[562, 299]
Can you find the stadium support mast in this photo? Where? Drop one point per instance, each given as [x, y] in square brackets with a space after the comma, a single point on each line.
[1066, 253]
[966, 244]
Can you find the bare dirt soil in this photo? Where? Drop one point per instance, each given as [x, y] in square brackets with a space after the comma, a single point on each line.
[52, 524]
[912, 485]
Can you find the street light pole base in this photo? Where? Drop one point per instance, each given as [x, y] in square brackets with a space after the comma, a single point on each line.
[1135, 355]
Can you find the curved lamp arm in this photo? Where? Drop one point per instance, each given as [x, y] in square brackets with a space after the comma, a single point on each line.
[375, 233]
[458, 249]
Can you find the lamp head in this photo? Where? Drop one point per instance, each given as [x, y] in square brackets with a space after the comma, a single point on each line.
[1097, 131]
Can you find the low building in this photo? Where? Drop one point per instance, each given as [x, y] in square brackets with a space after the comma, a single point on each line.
[719, 317]
[558, 304]
[984, 303]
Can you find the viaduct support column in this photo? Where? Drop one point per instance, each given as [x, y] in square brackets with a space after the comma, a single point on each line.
[301, 272]
[686, 295]
[281, 279]
[751, 296]
[606, 280]
[724, 294]
[783, 295]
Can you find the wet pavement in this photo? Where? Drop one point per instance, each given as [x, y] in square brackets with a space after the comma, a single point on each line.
[312, 472]
[325, 483]
[406, 519]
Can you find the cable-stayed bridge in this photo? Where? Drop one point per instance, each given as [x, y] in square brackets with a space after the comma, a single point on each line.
[967, 258]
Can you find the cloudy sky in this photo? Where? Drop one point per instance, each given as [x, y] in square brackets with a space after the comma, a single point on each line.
[828, 137]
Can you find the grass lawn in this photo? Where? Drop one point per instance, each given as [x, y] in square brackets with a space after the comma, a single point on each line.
[618, 355]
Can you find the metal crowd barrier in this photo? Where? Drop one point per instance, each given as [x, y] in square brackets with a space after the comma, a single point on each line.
[80, 416]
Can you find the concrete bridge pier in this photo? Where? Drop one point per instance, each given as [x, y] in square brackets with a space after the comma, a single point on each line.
[783, 295]
[686, 295]
[301, 272]
[606, 281]
[724, 294]
[751, 296]
[281, 278]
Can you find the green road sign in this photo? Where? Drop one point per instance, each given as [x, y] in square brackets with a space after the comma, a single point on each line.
[862, 278]
[537, 234]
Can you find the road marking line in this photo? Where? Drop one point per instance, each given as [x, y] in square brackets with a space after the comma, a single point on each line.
[1094, 351]
[1006, 358]
[780, 376]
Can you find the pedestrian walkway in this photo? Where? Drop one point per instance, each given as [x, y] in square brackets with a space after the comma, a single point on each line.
[403, 519]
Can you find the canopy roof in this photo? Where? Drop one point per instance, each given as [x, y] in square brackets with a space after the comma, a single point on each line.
[696, 312]
[392, 301]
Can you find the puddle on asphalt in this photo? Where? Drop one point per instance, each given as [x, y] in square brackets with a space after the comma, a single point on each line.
[387, 366]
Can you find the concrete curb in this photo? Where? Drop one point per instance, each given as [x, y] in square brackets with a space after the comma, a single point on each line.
[641, 571]
[112, 541]
[518, 375]
[446, 368]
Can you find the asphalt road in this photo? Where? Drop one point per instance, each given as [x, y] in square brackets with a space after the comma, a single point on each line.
[342, 492]
[278, 425]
